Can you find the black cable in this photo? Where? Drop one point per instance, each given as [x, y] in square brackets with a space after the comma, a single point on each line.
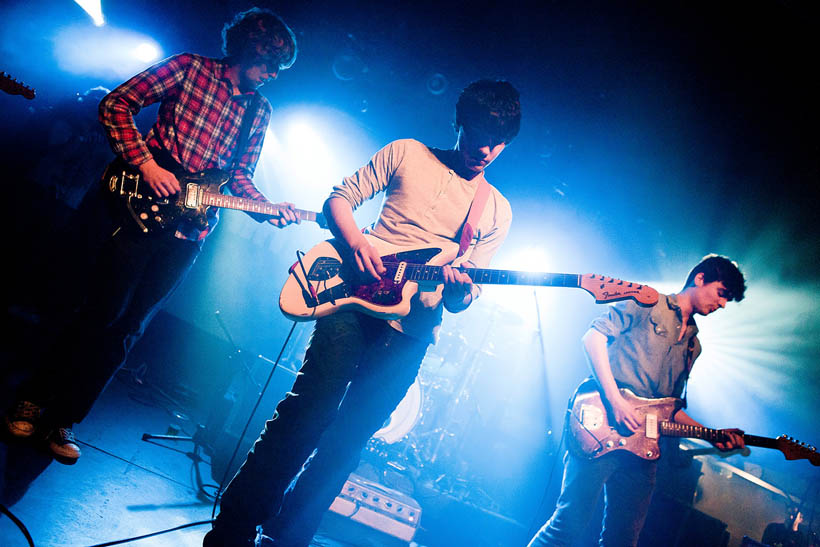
[152, 534]
[218, 494]
[534, 526]
[18, 522]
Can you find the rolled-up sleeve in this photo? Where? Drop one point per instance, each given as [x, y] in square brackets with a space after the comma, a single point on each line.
[620, 318]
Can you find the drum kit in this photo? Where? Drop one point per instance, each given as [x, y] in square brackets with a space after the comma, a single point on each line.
[421, 439]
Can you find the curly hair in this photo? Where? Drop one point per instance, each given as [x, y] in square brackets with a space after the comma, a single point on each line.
[720, 268]
[259, 35]
[492, 106]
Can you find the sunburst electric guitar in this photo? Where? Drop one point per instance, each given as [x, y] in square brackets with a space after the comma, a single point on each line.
[321, 282]
[592, 434]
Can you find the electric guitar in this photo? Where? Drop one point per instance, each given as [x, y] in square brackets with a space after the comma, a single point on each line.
[13, 87]
[134, 201]
[592, 435]
[321, 282]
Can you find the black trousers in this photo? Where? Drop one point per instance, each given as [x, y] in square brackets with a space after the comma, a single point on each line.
[133, 277]
[356, 371]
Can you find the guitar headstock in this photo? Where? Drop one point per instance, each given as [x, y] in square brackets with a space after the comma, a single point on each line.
[793, 449]
[13, 87]
[609, 289]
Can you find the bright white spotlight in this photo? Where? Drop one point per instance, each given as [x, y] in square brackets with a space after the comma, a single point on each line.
[309, 149]
[94, 9]
[104, 52]
[146, 52]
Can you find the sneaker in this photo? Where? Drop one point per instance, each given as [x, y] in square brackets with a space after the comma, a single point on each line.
[62, 444]
[22, 421]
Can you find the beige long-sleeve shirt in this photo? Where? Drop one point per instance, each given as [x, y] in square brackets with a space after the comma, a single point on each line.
[425, 203]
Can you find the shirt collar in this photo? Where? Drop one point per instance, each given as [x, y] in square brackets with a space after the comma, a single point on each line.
[672, 303]
[220, 69]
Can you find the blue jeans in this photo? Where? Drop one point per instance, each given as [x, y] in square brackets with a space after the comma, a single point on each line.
[627, 481]
[356, 371]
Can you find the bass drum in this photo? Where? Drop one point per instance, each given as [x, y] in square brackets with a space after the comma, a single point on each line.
[404, 418]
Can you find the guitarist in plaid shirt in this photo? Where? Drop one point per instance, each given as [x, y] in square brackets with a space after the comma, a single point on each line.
[202, 105]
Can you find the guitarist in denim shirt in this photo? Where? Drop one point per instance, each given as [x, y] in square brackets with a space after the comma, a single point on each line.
[650, 351]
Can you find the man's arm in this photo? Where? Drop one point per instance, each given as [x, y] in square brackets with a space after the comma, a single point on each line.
[735, 435]
[117, 110]
[339, 216]
[595, 346]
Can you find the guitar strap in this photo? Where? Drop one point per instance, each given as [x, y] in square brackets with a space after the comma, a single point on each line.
[690, 362]
[482, 193]
[245, 128]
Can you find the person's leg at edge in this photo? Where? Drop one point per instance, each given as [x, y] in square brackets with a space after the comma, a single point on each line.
[628, 495]
[164, 273]
[255, 492]
[134, 277]
[387, 371]
[580, 488]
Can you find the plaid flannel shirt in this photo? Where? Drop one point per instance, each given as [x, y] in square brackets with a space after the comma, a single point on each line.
[198, 123]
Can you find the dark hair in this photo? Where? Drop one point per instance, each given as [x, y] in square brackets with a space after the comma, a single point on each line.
[720, 268]
[259, 34]
[492, 106]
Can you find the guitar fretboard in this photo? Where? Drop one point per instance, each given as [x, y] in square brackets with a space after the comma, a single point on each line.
[422, 272]
[673, 429]
[253, 206]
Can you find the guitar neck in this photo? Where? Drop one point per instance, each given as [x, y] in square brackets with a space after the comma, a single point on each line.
[672, 429]
[421, 272]
[253, 206]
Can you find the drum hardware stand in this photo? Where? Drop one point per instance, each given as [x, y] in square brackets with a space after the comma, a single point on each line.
[204, 434]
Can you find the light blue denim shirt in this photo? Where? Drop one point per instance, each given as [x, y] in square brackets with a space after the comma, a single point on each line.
[644, 351]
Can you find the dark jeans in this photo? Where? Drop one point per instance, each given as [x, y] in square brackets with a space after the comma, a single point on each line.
[356, 370]
[627, 481]
[133, 277]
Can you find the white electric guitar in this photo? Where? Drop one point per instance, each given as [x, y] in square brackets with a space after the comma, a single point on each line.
[321, 282]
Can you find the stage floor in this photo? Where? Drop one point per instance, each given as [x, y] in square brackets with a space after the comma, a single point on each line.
[121, 487]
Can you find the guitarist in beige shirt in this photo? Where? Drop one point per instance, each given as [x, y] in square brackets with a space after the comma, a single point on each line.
[357, 367]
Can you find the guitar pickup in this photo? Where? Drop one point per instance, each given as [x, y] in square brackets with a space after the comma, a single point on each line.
[192, 195]
[651, 426]
[399, 272]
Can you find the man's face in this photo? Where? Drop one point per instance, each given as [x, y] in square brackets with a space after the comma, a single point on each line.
[253, 76]
[709, 297]
[262, 67]
[478, 149]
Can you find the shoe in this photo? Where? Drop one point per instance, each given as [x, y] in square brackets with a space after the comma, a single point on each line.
[220, 538]
[62, 444]
[22, 421]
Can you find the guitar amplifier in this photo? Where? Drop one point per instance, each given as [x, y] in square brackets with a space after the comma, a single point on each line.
[378, 507]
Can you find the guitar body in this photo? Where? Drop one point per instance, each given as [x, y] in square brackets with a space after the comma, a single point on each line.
[592, 434]
[333, 284]
[134, 203]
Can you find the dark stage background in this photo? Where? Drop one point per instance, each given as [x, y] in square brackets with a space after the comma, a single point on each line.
[653, 133]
